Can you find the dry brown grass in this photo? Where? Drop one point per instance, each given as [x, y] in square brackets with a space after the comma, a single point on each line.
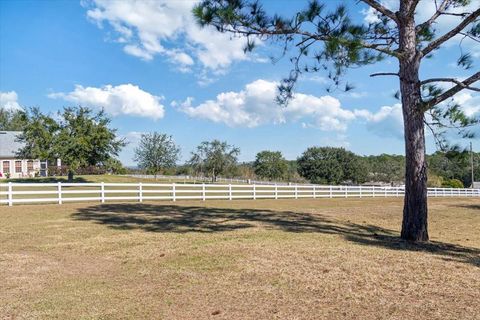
[264, 259]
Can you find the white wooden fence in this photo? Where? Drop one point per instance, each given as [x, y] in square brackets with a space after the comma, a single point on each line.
[12, 193]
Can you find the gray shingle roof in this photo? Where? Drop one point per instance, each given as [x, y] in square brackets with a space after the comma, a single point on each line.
[9, 144]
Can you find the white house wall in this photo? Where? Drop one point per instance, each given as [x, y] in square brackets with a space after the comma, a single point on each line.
[24, 172]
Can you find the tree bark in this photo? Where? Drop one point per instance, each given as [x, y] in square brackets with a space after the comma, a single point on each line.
[415, 211]
[70, 175]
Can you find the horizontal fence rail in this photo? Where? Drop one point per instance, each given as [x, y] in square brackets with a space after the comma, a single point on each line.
[13, 193]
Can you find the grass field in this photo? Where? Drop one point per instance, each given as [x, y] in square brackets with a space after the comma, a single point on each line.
[107, 178]
[263, 259]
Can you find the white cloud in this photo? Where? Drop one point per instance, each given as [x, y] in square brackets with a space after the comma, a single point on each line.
[386, 122]
[133, 136]
[9, 101]
[167, 28]
[469, 102]
[136, 51]
[255, 105]
[126, 99]
[370, 15]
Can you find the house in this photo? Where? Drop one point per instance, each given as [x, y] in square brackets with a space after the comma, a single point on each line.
[10, 165]
[476, 185]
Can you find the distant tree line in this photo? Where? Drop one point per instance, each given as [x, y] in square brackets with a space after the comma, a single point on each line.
[320, 165]
[85, 143]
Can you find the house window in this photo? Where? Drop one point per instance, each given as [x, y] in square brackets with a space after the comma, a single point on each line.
[29, 165]
[6, 167]
[18, 166]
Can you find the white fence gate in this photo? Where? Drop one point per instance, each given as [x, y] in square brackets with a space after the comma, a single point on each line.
[12, 193]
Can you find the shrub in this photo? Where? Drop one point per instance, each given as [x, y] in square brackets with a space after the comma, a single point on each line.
[452, 183]
[435, 181]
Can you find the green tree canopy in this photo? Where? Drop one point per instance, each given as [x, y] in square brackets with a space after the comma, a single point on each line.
[78, 136]
[386, 168]
[213, 158]
[454, 164]
[12, 120]
[39, 135]
[327, 165]
[270, 165]
[156, 152]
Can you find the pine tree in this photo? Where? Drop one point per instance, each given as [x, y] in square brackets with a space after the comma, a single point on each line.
[332, 42]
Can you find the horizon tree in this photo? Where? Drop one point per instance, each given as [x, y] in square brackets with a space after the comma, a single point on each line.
[332, 42]
[213, 158]
[454, 164]
[386, 168]
[156, 151]
[270, 164]
[329, 165]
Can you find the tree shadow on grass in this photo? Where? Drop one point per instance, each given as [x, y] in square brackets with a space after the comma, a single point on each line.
[469, 206]
[183, 219]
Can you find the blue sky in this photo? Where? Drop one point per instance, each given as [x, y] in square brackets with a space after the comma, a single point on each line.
[153, 69]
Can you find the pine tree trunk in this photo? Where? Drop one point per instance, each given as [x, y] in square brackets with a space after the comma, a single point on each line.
[415, 211]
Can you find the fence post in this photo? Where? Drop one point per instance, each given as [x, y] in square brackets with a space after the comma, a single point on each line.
[230, 191]
[174, 195]
[373, 192]
[254, 192]
[385, 190]
[396, 190]
[276, 192]
[59, 190]
[296, 192]
[203, 191]
[314, 192]
[10, 195]
[331, 195]
[140, 192]
[346, 191]
[102, 191]
[360, 191]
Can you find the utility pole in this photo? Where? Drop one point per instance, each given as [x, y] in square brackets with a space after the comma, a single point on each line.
[471, 162]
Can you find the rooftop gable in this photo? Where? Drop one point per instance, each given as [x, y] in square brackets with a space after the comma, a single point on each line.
[9, 144]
